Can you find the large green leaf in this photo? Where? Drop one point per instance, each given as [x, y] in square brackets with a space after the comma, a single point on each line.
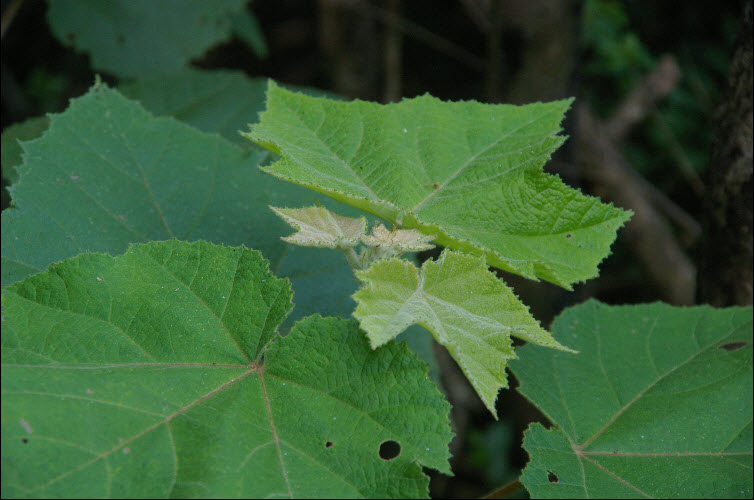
[471, 172]
[658, 404]
[11, 147]
[467, 309]
[142, 376]
[141, 37]
[219, 101]
[107, 174]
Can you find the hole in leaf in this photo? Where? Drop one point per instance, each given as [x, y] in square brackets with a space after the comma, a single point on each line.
[733, 346]
[552, 477]
[389, 450]
[568, 235]
[328, 444]
[24, 440]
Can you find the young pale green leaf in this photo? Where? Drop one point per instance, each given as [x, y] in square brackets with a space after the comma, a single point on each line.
[466, 308]
[399, 241]
[470, 173]
[319, 227]
[140, 37]
[658, 404]
[107, 173]
[142, 376]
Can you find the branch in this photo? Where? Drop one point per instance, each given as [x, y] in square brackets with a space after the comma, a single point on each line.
[648, 233]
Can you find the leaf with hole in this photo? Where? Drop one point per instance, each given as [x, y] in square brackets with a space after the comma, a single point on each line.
[467, 172]
[657, 404]
[142, 376]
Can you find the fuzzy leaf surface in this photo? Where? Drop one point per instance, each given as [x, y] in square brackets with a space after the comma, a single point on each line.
[141, 376]
[319, 227]
[471, 172]
[398, 241]
[465, 307]
[132, 38]
[107, 173]
[657, 404]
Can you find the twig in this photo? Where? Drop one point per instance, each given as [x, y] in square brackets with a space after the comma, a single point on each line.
[8, 16]
[423, 35]
[494, 52]
[641, 100]
[393, 56]
[505, 491]
[648, 232]
[640, 103]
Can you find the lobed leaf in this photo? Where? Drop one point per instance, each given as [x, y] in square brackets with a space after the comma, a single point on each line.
[142, 376]
[319, 227]
[465, 307]
[107, 173]
[11, 144]
[138, 37]
[398, 241]
[467, 172]
[216, 101]
[657, 404]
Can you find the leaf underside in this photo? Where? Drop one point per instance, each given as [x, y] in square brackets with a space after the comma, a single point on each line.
[141, 376]
[465, 307]
[319, 227]
[658, 404]
[469, 172]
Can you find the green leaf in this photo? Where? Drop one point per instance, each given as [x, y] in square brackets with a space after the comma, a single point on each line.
[219, 101]
[657, 404]
[247, 28]
[319, 227]
[132, 38]
[11, 147]
[398, 241]
[471, 172]
[141, 376]
[107, 174]
[465, 307]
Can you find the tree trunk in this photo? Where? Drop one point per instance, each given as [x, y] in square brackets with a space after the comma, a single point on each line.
[725, 267]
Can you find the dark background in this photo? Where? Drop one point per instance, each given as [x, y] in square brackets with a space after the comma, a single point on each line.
[661, 119]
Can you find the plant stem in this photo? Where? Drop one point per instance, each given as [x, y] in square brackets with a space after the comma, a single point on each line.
[505, 491]
[352, 258]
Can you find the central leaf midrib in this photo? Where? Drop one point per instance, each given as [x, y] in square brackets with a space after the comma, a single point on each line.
[327, 147]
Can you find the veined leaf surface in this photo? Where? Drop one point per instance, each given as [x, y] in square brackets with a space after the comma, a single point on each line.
[467, 309]
[221, 101]
[658, 404]
[142, 376]
[107, 173]
[470, 172]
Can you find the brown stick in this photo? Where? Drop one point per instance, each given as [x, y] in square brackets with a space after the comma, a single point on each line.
[641, 100]
[393, 56]
[648, 233]
[506, 490]
[8, 16]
